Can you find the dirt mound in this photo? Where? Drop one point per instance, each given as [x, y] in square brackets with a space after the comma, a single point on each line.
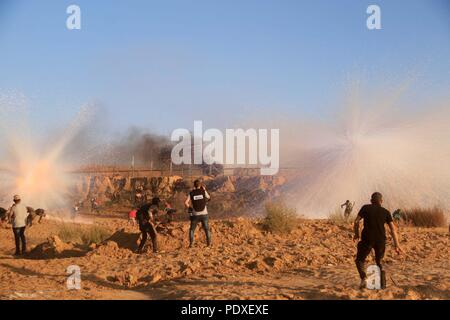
[54, 247]
[112, 250]
[125, 240]
[266, 264]
[170, 230]
[124, 279]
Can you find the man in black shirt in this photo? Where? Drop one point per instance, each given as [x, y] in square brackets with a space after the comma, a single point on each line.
[373, 235]
[145, 219]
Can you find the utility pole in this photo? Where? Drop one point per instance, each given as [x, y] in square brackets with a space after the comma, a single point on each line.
[132, 166]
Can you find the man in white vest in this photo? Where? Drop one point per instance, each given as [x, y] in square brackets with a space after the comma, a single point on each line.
[198, 212]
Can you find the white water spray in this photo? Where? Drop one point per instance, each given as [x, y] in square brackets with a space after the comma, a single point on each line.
[371, 147]
[34, 170]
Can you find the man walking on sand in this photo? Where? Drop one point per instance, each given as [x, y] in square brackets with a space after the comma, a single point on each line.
[348, 208]
[146, 226]
[373, 235]
[196, 203]
[19, 215]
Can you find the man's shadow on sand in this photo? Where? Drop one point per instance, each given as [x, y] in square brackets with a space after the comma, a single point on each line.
[124, 240]
[62, 276]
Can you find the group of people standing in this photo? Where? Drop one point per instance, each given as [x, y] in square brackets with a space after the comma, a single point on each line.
[373, 215]
[196, 205]
[373, 236]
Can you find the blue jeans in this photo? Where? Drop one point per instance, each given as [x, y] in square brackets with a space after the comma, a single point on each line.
[19, 236]
[195, 220]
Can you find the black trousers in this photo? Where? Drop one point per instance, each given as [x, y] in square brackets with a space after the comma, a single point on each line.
[19, 236]
[147, 229]
[364, 249]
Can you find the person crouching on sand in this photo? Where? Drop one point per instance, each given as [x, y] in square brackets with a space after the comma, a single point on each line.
[373, 235]
[132, 217]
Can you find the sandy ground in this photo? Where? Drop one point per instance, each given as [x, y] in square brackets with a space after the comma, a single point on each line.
[315, 261]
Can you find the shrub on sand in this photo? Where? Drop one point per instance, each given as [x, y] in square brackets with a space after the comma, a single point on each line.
[337, 217]
[69, 233]
[82, 234]
[95, 234]
[279, 218]
[426, 217]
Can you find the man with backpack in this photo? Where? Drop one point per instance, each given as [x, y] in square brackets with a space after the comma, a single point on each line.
[198, 212]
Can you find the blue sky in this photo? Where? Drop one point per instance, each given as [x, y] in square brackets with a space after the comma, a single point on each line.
[162, 64]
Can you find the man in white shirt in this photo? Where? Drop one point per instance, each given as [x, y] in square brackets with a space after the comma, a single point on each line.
[19, 214]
